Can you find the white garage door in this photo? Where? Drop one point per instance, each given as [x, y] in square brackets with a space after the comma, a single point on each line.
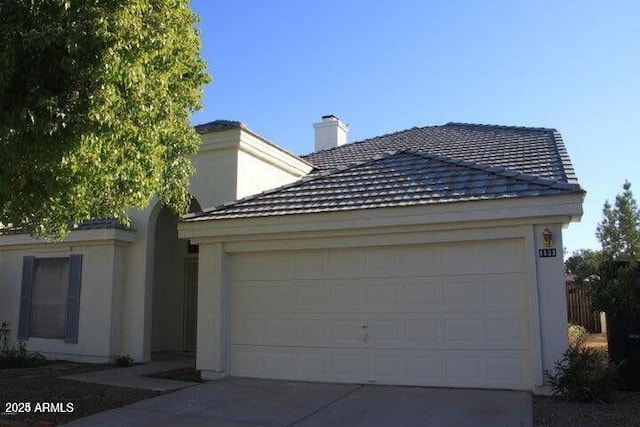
[439, 315]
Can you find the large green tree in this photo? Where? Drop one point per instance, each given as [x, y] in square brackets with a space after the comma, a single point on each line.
[95, 101]
[619, 230]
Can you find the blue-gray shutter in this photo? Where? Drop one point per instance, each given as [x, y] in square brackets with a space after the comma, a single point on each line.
[73, 299]
[28, 264]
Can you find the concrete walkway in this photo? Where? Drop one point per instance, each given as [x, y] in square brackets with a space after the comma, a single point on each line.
[133, 376]
[243, 402]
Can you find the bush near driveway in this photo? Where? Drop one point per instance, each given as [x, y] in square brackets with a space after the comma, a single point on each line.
[584, 375]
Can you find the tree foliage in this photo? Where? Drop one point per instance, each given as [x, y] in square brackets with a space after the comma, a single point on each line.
[612, 276]
[95, 100]
[583, 264]
[619, 230]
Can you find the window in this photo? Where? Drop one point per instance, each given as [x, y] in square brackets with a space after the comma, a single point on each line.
[50, 299]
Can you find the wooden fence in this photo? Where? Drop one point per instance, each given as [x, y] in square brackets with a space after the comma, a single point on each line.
[579, 309]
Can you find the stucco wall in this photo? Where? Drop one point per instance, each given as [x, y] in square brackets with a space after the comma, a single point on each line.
[168, 285]
[256, 175]
[135, 336]
[98, 331]
[236, 163]
[215, 178]
[552, 297]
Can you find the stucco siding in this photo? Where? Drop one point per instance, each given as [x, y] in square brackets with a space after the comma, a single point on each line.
[215, 178]
[255, 175]
[96, 337]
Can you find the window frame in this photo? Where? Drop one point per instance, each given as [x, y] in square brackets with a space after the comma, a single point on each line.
[72, 305]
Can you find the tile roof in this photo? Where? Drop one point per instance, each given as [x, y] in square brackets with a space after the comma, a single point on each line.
[218, 125]
[534, 151]
[406, 177]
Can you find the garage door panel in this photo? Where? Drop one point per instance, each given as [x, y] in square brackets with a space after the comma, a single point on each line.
[382, 295]
[385, 368]
[505, 289]
[506, 369]
[502, 257]
[280, 296]
[345, 263]
[460, 331]
[421, 332]
[312, 332]
[463, 291]
[461, 258]
[421, 260]
[485, 293]
[379, 261]
[424, 369]
[506, 330]
[421, 294]
[442, 315]
[463, 368]
[314, 364]
[346, 295]
[346, 332]
[311, 296]
[246, 297]
[279, 330]
[384, 332]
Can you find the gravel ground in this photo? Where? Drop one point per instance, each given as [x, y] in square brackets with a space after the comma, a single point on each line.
[624, 411]
[42, 385]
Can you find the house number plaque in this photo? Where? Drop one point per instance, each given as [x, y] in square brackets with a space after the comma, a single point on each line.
[547, 253]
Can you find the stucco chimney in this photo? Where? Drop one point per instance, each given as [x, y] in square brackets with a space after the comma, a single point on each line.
[330, 133]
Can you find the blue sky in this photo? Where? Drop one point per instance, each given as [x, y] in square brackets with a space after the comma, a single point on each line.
[384, 66]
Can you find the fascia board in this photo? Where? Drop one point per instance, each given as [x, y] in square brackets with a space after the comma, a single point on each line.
[566, 208]
[85, 237]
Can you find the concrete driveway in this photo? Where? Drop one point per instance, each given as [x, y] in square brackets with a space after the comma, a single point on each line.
[255, 402]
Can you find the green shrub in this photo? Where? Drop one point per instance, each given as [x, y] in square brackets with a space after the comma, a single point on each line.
[124, 361]
[577, 335]
[584, 375]
[17, 356]
[616, 288]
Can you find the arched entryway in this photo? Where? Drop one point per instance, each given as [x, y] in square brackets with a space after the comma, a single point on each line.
[174, 304]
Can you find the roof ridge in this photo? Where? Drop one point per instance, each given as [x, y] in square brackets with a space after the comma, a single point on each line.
[386, 135]
[486, 125]
[497, 170]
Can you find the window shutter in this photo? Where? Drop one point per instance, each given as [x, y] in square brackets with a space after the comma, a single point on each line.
[28, 263]
[73, 299]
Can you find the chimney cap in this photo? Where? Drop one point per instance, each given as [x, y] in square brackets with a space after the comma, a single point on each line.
[330, 117]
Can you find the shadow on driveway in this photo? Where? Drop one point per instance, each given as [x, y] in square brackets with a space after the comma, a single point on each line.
[255, 402]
